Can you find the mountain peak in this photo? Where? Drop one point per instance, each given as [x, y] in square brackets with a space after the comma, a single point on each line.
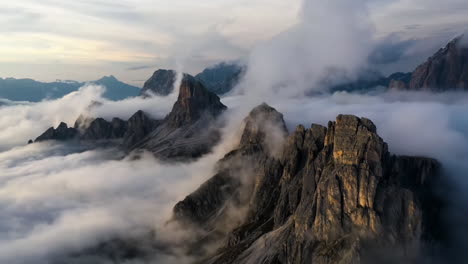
[110, 78]
[335, 196]
[445, 70]
[161, 82]
[261, 123]
[194, 102]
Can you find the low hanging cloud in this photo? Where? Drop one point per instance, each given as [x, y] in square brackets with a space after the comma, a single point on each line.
[59, 198]
[331, 36]
[56, 199]
[21, 121]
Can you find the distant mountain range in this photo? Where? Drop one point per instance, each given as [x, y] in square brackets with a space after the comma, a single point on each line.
[445, 70]
[35, 91]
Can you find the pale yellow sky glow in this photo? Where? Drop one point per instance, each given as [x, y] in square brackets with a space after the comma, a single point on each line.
[116, 36]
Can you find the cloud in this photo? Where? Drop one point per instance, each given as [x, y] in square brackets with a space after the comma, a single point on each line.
[57, 199]
[330, 36]
[23, 121]
[141, 67]
[60, 198]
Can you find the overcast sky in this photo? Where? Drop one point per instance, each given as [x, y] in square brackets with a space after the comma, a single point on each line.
[86, 39]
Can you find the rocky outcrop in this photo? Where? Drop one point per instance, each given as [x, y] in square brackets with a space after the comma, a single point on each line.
[138, 127]
[190, 129]
[61, 133]
[100, 129]
[445, 70]
[205, 203]
[327, 195]
[194, 101]
[161, 83]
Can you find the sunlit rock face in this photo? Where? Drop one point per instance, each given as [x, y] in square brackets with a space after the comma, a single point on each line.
[333, 195]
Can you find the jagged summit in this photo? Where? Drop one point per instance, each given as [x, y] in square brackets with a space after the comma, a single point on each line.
[446, 70]
[61, 133]
[193, 102]
[334, 195]
[188, 131]
[261, 123]
[191, 129]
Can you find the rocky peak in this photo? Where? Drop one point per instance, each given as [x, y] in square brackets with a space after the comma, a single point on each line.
[100, 129]
[193, 102]
[62, 132]
[138, 127]
[447, 69]
[161, 83]
[263, 126]
[336, 195]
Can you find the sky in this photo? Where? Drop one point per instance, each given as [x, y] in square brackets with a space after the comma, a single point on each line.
[85, 40]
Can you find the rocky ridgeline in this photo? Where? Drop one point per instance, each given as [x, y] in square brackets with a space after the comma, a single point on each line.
[445, 70]
[333, 195]
[188, 131]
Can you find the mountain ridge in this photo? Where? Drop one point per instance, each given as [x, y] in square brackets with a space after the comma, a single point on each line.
[189, 131]
[36, 91]
[335, 195]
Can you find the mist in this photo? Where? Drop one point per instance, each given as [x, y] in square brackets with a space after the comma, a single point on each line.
[61, 198]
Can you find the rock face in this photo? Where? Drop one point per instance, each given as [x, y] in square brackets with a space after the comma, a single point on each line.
[326, 195]
[101, 129]
[161, 83]
[447, 69]
[194, 101]
[138, 127]
[61, 133]
[190, 129]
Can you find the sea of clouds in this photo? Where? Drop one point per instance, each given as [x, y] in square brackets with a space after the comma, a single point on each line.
[58, 198]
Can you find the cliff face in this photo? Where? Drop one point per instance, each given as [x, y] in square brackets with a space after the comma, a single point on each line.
[61, 133]
[190, 129]
[447, 69]
[332, 195]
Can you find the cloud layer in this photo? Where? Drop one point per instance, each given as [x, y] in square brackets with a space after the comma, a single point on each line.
[59, 198]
